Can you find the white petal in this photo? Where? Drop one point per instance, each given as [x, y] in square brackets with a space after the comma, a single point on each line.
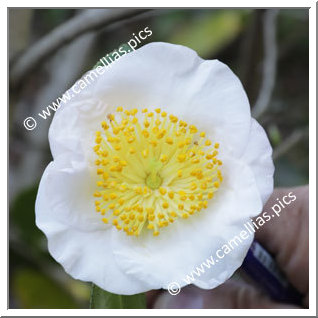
[258, 155]
[187, 243]
[206, 93]
[77, 238]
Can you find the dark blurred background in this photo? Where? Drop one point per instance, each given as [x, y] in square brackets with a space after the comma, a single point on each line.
[267, 49]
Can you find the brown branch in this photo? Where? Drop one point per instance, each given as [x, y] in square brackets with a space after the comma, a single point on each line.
[290, 142]
[269, 63]
[89, 20]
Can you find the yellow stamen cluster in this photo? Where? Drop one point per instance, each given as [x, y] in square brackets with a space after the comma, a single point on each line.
[153, 169]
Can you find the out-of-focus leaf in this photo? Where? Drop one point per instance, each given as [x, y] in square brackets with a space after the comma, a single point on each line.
[35, 290]
[22, 216]
[103, 299]
[274, 134]
[208, 34]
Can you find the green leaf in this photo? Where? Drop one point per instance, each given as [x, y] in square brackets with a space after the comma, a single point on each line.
[103, 299]
[210, 33]
[35, 290]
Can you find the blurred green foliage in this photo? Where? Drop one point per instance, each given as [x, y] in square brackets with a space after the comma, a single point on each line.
[36, 290]
[103, 299]
[225, 25]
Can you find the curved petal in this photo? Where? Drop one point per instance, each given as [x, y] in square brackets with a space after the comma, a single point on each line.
[185, 245]
[77, 239]
[173, 77]
[258, 155]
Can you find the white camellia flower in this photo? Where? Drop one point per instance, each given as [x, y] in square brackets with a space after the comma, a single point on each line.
[157, 164]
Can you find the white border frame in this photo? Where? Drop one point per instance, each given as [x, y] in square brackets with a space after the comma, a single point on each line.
[312, 165]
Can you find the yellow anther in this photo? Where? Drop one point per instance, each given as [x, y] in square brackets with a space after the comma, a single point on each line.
[165, 205]
[145, 110]
[185, 215]
[208, 142]
[216, 145]
[179, 173]
[163, 158]
[100, 171]
[113, 196]
[104, 125]
[111, 206]
[158, 110]
[131, 139]
[162, 190]
[119, 109]
[193, 186]
[193, 129]
[156, 233]
[180, 206]
[145, 133]
[173, 214]
[132, 150]
[99, 183]
[96, 148]
[150, 226]
[169, 140]
[171, 194]
[202, 134]
[154, 143]
[123, 163]
[146, 123]
[150, 210]
[182, 157]
[105, 220]
[116, 158]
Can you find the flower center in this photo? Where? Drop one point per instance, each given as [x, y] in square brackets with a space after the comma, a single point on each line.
[153, 169]
[153, 179]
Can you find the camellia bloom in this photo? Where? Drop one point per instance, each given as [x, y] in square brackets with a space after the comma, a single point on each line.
[157, 164]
